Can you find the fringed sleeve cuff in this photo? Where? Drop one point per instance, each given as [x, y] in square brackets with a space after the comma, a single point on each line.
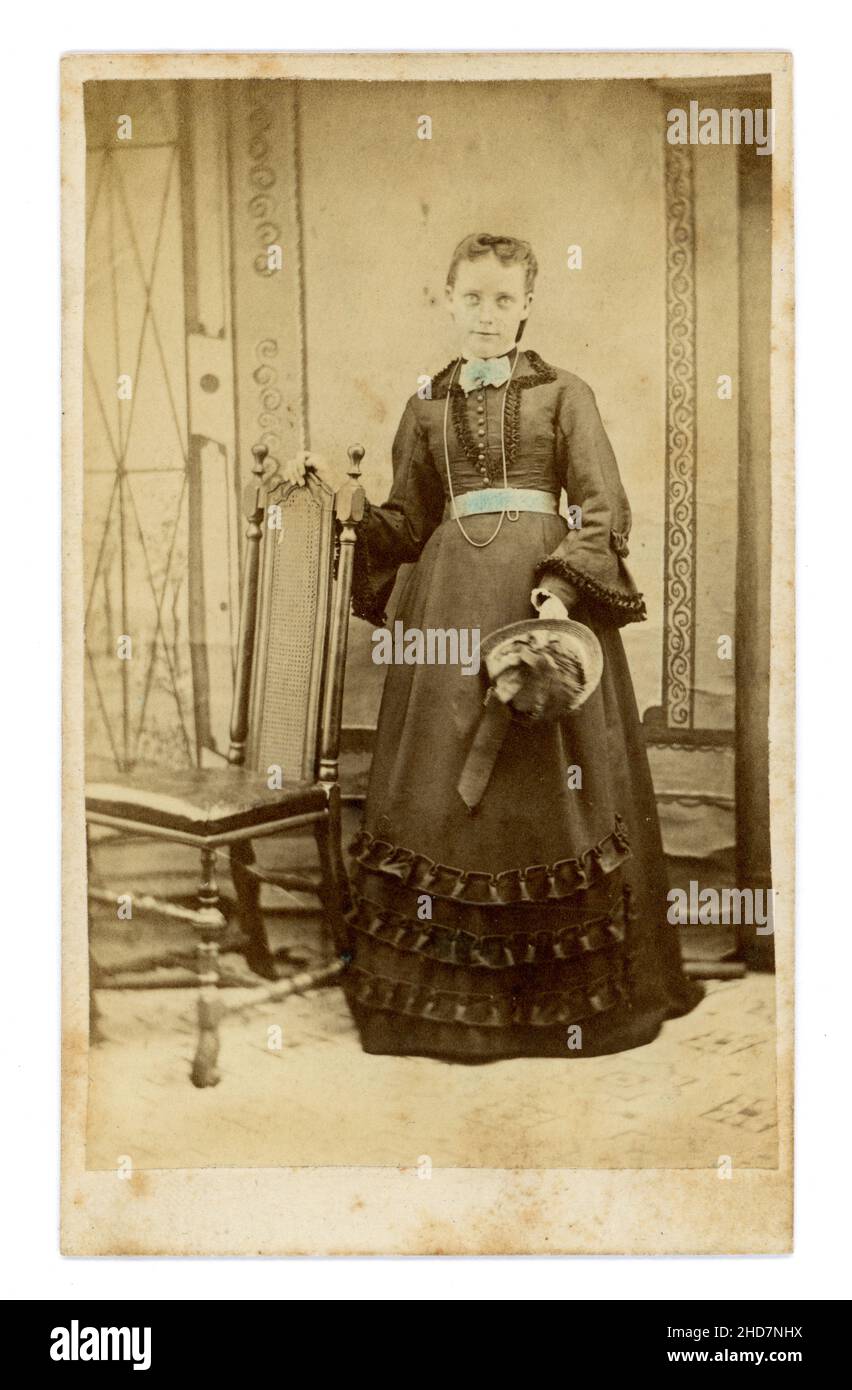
[371, 587]
[616, 605]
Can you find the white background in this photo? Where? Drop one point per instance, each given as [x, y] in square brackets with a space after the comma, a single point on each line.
[30, 547]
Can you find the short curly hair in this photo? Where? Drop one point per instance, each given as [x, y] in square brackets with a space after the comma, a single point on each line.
[508, 250]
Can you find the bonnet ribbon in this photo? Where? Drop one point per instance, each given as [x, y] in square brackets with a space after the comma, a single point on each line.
[487, 742]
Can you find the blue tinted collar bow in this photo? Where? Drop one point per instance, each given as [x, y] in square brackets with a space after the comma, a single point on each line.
[477, 371]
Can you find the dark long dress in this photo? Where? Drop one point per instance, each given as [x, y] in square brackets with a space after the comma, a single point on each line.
[489, 935]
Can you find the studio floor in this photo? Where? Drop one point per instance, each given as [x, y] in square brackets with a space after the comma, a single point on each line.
[702, 1092]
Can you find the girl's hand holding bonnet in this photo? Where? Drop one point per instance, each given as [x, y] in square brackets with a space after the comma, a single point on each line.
[548, 605]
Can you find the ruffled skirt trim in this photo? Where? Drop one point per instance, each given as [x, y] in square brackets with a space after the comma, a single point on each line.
[542, 1009]
[534, 884]
[497, 951]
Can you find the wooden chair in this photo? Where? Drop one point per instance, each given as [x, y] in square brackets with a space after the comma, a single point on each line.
[284, 740]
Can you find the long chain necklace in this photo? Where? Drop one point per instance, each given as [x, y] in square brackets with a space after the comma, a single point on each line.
[511, 513]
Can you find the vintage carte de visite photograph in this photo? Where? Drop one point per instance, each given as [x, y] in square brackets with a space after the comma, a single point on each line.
[428, 652]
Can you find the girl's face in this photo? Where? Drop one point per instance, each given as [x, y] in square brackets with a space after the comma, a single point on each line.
[487, 304]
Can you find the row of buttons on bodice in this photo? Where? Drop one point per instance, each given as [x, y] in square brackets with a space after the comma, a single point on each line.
[481, 434]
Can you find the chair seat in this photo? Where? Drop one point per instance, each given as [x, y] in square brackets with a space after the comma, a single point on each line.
[200, 801]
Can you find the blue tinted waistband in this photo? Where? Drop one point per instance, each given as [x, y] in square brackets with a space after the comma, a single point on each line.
[503, 499]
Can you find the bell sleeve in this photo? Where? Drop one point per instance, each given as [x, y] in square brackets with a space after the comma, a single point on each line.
[588, 564]
[395, 534]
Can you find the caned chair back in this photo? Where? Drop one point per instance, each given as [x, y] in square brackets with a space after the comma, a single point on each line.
[291, 651]
[293, 626]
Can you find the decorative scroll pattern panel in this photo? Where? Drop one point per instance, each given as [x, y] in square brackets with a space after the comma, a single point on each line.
[681, 441]
[268, 317]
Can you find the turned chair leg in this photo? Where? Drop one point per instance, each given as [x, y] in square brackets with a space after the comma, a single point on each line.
[335, 883]
[258, 953]
[210, 1008]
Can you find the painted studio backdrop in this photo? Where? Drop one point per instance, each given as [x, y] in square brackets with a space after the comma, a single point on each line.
[218, 351]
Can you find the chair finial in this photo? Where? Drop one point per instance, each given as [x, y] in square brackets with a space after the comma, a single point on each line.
[356, 454]
[260, 452]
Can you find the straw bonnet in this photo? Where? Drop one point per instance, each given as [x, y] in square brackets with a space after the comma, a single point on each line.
[543, 668]
[539, 670]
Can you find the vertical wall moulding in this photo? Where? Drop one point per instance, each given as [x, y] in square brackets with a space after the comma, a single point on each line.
[681, 441]
[214, 490]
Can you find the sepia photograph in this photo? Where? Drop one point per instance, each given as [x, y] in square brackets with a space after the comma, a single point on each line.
[428, 653]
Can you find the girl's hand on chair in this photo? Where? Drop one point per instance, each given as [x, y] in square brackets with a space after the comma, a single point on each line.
[295, 470]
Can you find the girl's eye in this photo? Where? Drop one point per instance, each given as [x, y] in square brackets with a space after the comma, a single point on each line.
[504, 300]
[471, 299]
